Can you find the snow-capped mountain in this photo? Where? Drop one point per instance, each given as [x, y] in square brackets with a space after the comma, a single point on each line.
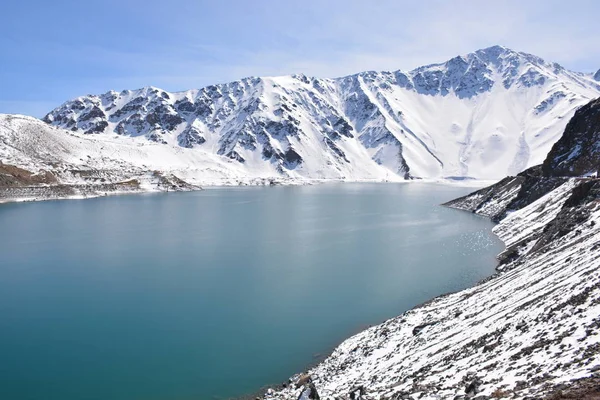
[483, 115]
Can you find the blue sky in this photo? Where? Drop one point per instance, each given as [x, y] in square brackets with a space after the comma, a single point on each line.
[53, 51]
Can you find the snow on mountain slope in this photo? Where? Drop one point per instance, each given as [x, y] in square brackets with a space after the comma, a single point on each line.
[74, 158]
[484, 115]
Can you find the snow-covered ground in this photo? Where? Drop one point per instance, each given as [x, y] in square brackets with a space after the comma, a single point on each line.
[519, 334]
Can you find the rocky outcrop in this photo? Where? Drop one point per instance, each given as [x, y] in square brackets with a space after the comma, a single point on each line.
[13, 176]
[577, 152]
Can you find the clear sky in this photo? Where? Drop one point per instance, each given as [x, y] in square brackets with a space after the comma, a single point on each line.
[52, 51]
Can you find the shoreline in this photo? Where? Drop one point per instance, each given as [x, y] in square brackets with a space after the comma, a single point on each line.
[263, 391]
[434, 323]
[89, 191]
[444, 194]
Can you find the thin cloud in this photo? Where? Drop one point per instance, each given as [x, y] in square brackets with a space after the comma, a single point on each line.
[207, 42]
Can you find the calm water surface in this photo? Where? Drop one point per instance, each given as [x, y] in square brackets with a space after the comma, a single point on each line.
[216, 293]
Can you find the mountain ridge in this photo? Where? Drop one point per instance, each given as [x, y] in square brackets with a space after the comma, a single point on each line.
[435, 121]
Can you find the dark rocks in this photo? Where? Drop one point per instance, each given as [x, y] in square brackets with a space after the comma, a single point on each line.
[419, 328]
[583, 193]
[533, 186]
[13, 176]
[357, 393]
[473, 387]
[190, 137]
[576, 153]
[162, 117]
[309, 393]
[401, 396]
[549, 102]
[234, 155]
[336, 150]
[268, 152]
[532, 78]
[573, 213]
[95, 112]
[302, 380]
[155, 137]
[343, 128]
[511, 193]
[97, 128]
[292, 158]
[499, 193]
[466, 77]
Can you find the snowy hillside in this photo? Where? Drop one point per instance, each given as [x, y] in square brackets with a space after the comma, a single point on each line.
[483, 115]
[32, 145]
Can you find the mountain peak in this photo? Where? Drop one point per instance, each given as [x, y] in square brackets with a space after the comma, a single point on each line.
[497, 54]
[469, 75]
[496, 50]
[597, 76]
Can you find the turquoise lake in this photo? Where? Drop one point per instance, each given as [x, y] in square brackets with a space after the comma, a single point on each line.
[214, 294]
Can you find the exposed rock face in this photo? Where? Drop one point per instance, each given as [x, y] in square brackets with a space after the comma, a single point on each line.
[597, 75]
[435, 121]
[577, 152]
[13, 176]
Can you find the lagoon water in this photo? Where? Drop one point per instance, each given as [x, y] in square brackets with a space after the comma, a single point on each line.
[213, 294]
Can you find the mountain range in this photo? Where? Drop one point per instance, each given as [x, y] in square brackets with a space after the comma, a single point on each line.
[484, 115]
